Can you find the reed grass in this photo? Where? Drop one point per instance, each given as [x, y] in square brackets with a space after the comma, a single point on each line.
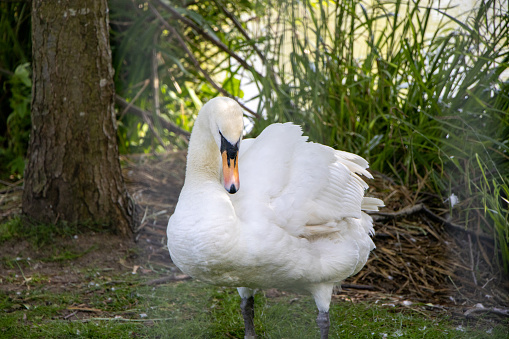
[428, 107]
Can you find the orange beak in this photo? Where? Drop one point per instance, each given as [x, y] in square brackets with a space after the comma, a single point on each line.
[231, 172]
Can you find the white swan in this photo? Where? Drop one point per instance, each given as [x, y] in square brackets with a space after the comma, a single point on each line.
[296, 222]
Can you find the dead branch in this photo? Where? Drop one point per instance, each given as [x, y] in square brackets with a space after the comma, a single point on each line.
[241, 29]
[410, 210]
[202, 32]
[405, 211]
[6, 72]
[141, 113]
[7, 190]
[150, 122]
[195, 62]
[131, 103]
[10, 184]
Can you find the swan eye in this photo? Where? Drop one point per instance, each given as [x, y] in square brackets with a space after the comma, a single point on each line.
[231, 150]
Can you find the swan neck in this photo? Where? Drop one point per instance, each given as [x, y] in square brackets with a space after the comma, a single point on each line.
[203, 158]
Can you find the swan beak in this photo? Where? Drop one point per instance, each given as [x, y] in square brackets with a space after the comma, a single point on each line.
[231, 172]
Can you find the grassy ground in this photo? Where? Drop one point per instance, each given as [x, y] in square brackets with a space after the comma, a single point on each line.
[85, 287]
[194, 310]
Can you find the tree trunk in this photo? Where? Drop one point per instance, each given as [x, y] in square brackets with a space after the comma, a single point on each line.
[73, 171]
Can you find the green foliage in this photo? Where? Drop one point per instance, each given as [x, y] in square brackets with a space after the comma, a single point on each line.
[15, 86]
[18, 122]
[9, 229]
[149, 49]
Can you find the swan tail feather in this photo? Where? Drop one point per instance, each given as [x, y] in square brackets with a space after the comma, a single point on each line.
[371, 204]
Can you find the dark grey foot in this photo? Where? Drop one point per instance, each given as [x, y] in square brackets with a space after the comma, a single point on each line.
[247, 307]
[323, 323]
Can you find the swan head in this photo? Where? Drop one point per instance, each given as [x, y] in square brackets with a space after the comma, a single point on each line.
[227, 124]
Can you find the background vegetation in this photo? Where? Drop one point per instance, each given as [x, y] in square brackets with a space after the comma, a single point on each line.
[15, 86]
[428, 107]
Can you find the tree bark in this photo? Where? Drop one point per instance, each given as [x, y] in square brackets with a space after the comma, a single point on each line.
[73, 171]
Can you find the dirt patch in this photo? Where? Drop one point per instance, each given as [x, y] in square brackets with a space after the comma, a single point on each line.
[61, 265]
[155, 184]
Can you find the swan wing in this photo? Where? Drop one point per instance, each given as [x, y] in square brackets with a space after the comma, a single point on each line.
[308, 189]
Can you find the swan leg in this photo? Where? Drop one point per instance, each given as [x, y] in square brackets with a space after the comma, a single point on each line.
[247, 308]
[323, 323]
[322, 294]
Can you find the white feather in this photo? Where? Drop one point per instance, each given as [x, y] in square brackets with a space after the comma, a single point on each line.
[296, 223]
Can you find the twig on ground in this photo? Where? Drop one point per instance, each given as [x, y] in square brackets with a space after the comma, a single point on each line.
[170, 278]
[457, 289]
[125, 319]
[409, 210]
[495, 310]
[84, 309]
[359, 287]
[70, 315]
[161, 227]
[472, 259]
[142, 222]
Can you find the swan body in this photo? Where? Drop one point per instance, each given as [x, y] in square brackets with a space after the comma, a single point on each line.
[295, 222]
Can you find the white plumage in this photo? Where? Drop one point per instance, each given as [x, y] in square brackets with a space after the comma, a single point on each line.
[296, 222]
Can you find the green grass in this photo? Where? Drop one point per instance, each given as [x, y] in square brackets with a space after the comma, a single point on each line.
[42, 234]
[126, 309]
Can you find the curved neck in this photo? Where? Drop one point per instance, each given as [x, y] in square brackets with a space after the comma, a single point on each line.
[203, 157]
